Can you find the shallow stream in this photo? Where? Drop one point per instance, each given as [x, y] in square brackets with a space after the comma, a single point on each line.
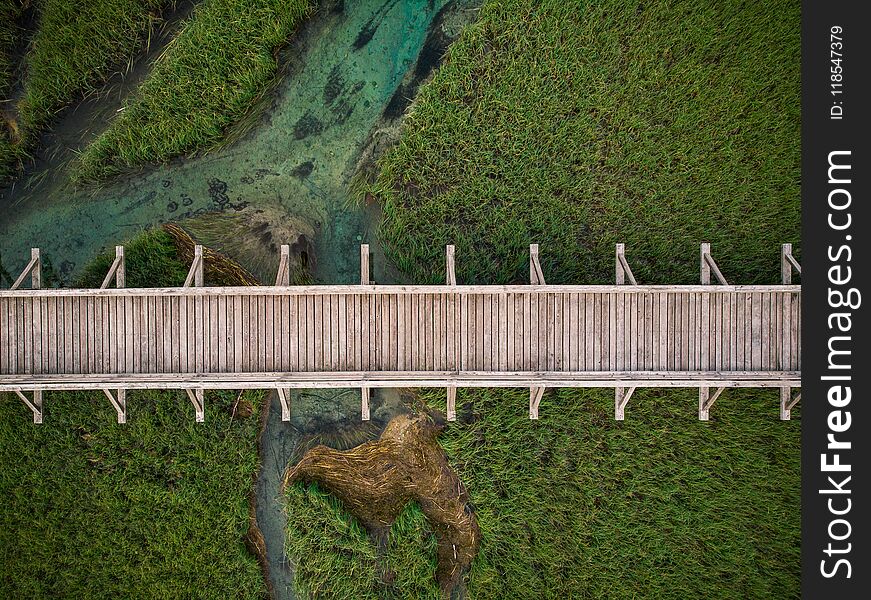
[350, 73]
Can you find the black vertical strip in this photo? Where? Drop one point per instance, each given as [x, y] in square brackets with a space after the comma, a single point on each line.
[835, 101]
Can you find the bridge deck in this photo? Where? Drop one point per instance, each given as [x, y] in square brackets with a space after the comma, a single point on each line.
[415, 329]
[370, 336]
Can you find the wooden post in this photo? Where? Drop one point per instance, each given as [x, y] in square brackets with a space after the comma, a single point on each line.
[622, 272]
[119, 403]
[785, 267]
[621, 399]
[706, 401]
[709, 265]
[536, 275]
[197, 399]
[116, 270]
[787, 402]
[195, 275]
[364, 264]
[535, 395]
[198, 254]
[36, 274]
[450, 276]
[284, 398]
[364, 403]
[282, 278]
[34, 268]
[452, 403]
[703, 264]
[618, 268]
[35, 405]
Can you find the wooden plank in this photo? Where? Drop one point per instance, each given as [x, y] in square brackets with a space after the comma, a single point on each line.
[534, 337]
[756, 332]
[342, 354]
[464, 363]
[617, 332]
[510, 334]
[765, 333]
[292, 345]
[368, 322]
[795, 333]
[450, 332]
[269, 328]
[637, 330]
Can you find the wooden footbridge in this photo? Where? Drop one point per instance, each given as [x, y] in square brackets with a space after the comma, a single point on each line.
[622, 336]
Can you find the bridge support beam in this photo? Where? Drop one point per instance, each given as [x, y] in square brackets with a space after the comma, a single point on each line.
[197, 399]
[364, 403]
[535, 395]
[706, 401]
[34, 405]
[621, 399]
[195, 275]
[116, 270]
[452, 403]
[284, 398]
[787, 264]
[119, 403]
[536, 275]
[364, 264]
[708, 265]
[787, 402]
[34, 269]
[622, 272]
[450, 275]
[282, 278]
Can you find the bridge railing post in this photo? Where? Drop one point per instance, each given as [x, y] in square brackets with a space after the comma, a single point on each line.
[536, 275]
[195, 275]
[119, 403]
[282, 278]
[34, 405]
[116, 270]
[34, 269]
[197, 398]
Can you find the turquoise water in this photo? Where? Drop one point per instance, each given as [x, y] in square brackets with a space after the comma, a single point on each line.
[346, 65]
[347, 69]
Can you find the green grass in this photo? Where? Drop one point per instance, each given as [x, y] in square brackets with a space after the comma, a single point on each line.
[156, 508]
[577, 125]
[10, 13]
[580, 124]
[79, 44]
[208, 78]
[336, 559]
[76, 47]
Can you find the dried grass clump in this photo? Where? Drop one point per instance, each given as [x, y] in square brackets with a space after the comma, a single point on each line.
[377, 479]
[218, 269]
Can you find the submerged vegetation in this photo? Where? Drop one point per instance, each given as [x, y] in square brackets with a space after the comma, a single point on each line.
[206, 79]
[578, 125]
[158, 507]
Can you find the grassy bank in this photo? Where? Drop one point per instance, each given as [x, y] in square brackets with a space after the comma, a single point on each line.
[76, 46]
[10, 13]
[155, 508]
[210, 75]
[582, 124]
[578, 125]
